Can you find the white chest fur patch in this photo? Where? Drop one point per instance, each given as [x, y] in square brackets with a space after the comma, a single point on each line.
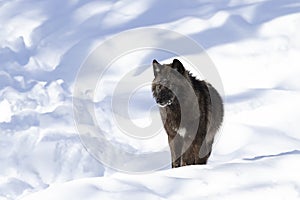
[182, 132]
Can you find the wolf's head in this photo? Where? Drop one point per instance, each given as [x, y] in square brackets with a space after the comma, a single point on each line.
[166, 81]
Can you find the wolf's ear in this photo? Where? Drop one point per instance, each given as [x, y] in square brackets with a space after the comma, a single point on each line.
[178, 66]
[156, 67]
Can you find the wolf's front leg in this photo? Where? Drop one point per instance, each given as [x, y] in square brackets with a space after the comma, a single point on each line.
[175, 144]
[188, 154]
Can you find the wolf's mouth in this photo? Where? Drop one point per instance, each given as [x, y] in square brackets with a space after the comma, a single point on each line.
[162, 105]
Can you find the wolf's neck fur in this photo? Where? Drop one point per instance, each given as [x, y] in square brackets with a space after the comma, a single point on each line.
[187, 106]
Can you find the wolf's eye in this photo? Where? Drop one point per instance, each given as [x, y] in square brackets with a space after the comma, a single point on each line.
[157, 89]
[164, 82]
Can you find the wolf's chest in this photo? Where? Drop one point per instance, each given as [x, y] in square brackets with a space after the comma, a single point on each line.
[171, 120]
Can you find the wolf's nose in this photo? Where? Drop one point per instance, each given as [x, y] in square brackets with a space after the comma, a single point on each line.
[154, 61]
[158, 101]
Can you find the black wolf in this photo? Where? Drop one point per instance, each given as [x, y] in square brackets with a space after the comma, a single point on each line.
[191, 110]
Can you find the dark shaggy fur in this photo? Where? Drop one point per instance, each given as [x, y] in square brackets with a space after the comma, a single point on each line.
[191, 110]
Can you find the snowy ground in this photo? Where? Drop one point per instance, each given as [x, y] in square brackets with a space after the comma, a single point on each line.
[255, 46]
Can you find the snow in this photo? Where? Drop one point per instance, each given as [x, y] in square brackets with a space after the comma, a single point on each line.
[254, 44]
[222, 181]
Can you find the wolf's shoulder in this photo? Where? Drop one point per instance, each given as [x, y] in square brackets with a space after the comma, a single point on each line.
[196, 82]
